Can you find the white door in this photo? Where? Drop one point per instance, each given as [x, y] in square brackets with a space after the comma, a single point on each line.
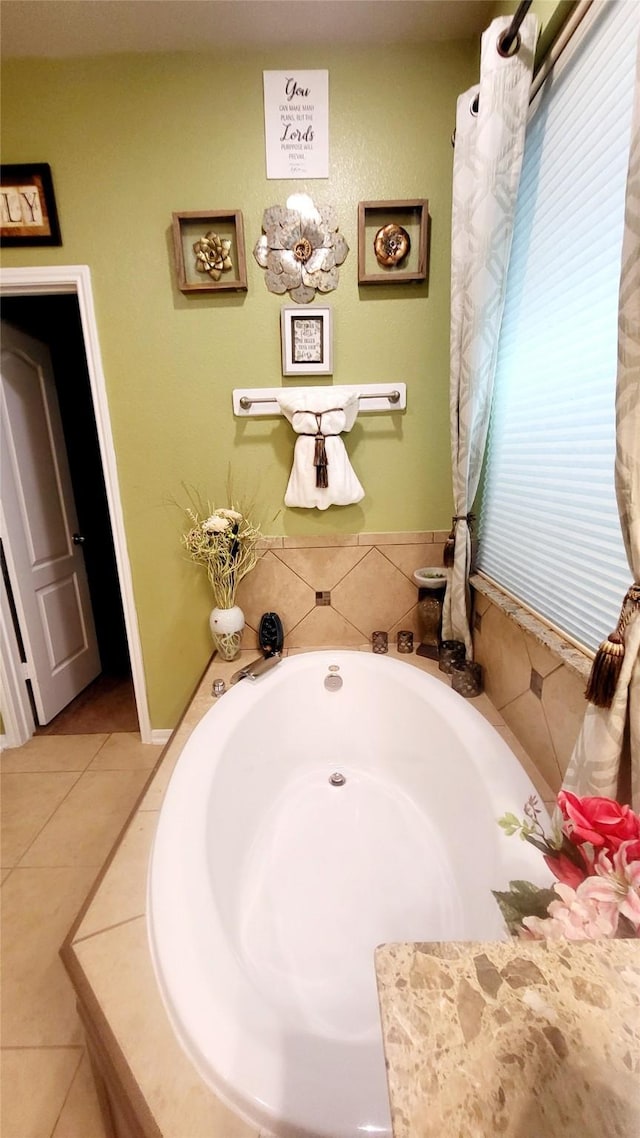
[44, 548]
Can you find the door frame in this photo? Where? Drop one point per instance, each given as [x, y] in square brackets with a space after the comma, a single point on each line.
[16, 711]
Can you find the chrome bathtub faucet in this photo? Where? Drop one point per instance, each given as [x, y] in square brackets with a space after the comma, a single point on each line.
[256, 667]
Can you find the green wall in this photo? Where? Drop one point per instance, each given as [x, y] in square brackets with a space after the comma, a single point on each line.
[132, 138]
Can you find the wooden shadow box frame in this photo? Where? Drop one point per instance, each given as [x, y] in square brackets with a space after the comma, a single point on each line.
[413, 215]
[191, 226]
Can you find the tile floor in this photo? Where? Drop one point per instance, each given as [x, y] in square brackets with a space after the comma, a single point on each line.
[64, 802]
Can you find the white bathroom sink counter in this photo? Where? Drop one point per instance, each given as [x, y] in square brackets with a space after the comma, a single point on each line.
[517, 1039]
[143, 1076]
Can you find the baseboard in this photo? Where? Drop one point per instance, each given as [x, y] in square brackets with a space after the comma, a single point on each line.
[160, 737]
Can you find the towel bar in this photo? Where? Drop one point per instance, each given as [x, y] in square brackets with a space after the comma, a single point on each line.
[250, 402]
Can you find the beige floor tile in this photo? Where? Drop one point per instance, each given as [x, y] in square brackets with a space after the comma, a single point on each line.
[123, 751]
[81, 1117]
[4, 873]
[53, 753]
[38, 909]
[122, 894]
[84, 828]
[35, 1084]
[118, 967]
[28, 801]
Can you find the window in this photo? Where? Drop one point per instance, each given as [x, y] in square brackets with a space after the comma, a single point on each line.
[549, 531]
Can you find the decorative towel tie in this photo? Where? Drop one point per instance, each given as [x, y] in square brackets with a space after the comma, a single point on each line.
[321, 475]
[320, 460]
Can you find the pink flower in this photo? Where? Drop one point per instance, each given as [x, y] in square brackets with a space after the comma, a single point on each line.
[601, 821]
[617, 882]
[576, 916]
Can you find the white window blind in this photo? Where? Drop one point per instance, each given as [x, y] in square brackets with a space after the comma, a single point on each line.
[549, 530]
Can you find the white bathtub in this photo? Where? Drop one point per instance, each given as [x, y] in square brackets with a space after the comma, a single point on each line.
[270, 888]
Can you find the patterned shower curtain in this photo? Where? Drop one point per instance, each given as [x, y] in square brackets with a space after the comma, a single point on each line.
[606, 757]
[486, 173]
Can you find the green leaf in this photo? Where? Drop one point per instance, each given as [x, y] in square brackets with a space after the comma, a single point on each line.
[509, 819]
[523, 899]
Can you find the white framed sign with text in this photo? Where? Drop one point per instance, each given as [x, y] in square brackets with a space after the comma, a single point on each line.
[306, 341]
[296, 123]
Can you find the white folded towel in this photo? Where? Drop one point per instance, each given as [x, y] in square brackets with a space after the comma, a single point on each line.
[321, 475]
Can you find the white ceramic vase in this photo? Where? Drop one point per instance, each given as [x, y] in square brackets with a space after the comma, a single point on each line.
[226, 630]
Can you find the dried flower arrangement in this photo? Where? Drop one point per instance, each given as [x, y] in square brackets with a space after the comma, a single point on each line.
[225, 541]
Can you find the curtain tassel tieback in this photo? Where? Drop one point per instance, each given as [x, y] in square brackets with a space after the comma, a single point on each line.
[607, 665]
[450, 544]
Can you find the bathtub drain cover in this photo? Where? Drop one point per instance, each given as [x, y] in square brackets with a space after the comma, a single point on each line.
[333, 682]
[337, 779]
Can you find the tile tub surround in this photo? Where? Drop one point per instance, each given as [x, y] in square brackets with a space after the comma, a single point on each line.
[535, 679]
[369, 577]
[138, 1061]
[531, 1039]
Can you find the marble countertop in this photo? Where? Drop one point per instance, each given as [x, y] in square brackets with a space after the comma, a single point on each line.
[514, 1039]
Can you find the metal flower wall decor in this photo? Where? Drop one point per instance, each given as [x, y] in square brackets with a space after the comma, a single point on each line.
[300, 248]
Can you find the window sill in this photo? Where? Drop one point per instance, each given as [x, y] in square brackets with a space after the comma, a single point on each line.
[566, 653]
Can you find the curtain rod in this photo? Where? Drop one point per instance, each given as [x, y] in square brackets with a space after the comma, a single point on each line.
[511, 38]
[552, 55]
[508, 44]
[563, 37]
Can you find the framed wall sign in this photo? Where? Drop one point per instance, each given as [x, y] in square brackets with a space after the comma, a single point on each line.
[296, 123]
[209, 251]
[28, 214]
[306, 341]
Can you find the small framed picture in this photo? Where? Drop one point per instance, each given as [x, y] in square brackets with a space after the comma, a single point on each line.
[306, 341]
[28, 214]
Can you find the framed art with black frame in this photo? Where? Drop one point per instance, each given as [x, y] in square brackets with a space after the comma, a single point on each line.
[28, 213]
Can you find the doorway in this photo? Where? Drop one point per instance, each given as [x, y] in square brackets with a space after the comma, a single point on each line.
[62, 318]
[108, 703]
